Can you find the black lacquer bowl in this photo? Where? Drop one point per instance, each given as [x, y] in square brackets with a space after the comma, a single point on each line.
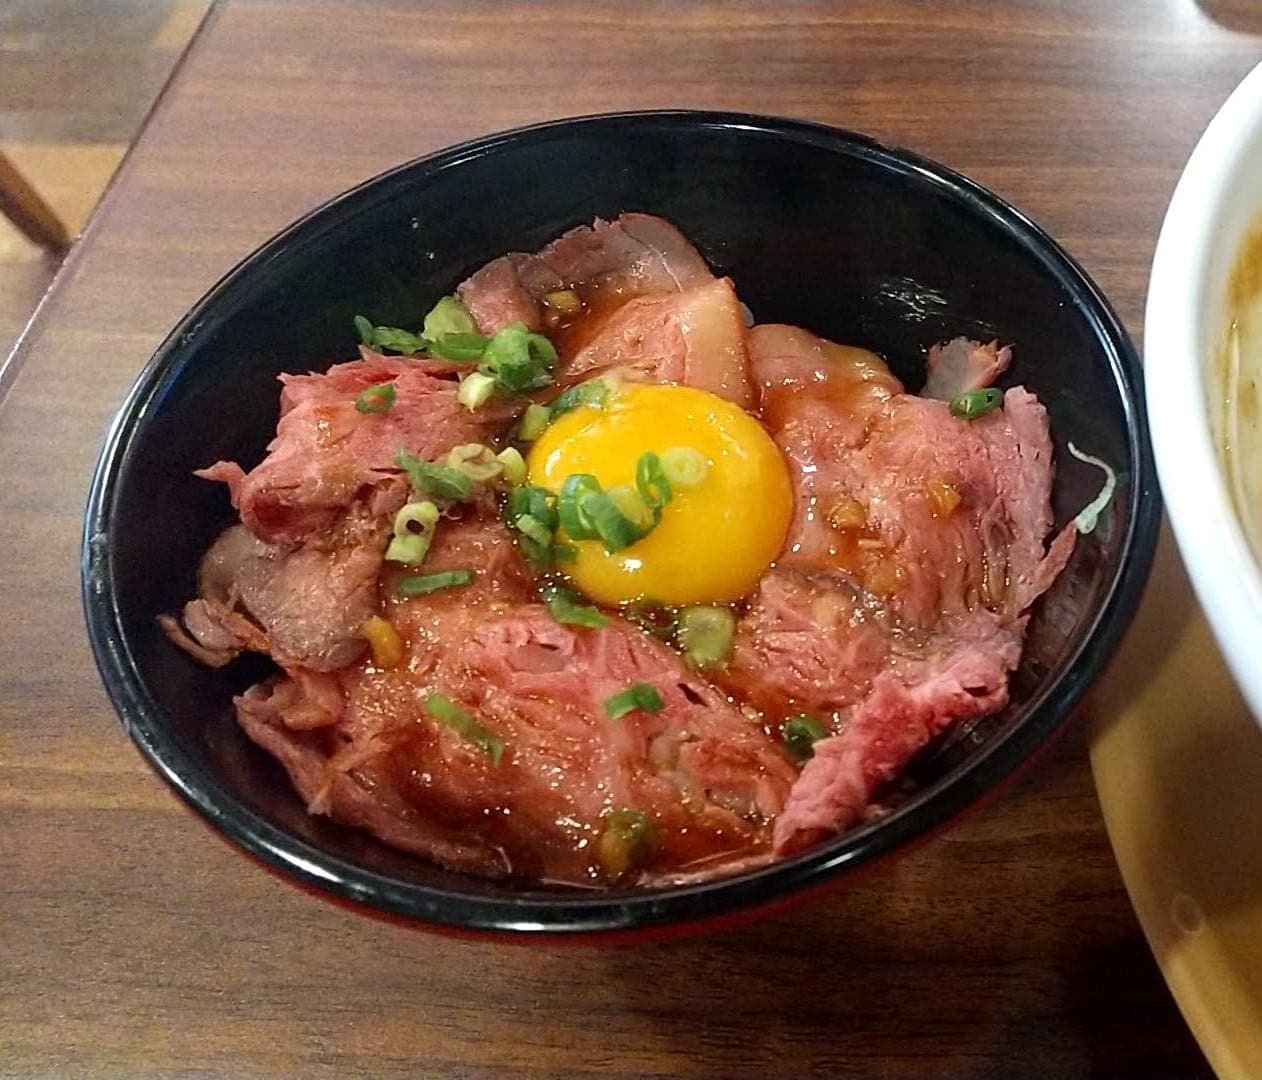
[818, 227]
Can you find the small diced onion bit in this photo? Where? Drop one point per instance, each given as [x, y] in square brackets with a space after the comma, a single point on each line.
[448, 713]
[376, 399]
[563, 301]
[383, 641]
[475, 390]
[533, 422]
[705, 634]
[883, 577]
[428, 583]
[476, 461]
[800, 734]
[628, 842]
[684, 467]
[413, 532]
[641, 695]
[513, 465]
[944, 497]
[848, 513]
[974, 403]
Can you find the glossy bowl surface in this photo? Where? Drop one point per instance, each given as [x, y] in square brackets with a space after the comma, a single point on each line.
[1215, 207]
[818, 227]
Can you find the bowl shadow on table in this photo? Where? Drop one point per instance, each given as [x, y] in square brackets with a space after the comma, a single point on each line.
[1185, 813]
[938, 965]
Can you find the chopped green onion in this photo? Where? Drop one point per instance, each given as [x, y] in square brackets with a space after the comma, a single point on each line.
[447, 712]
[533, 421]
[408, 550]
[413, 531]
[640, 695]
[706, 634]
[448, 316]
[420, 586]
[459, 348]
[974, 403]
[651, 481]
[1089, 516]
[534, 529]
[573, 519]
[475, 390]
[436, 480]
[684, 466]
[513, 465]
[476, 461]
[416, 517]
[389, 337]
[518, 360]
[628, 841]
[593, 392]
[800, 734]
[375, 399]
[615, 529]
[562, 552]
[565, 606]
[542, 506]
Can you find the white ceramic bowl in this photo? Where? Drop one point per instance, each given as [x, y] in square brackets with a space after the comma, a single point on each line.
[1217, 203]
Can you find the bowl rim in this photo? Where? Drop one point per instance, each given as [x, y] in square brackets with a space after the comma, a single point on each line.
[1224, 571]
[535, 913]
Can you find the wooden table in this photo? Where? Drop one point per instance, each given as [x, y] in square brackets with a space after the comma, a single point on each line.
[134, 944]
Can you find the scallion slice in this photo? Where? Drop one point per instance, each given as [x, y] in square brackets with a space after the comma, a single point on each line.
[615, 529]
[533, 422]
[800, 734]
[974, 403]
[447, 712]
[448, 316]
[684, 466]
[593, 392]
[706, 633]
[391, 338]
[513, 465]
[476, 461]
[413, 531]
[651, 481]
[437, 480]
[565, 606]
[628, 842]
[459, 348]
[518, 360]
[376, 399]
[639, 695]
[573, 518]
[534, 529]
[428, 583]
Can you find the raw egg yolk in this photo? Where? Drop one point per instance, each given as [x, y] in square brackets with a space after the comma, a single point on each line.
[716, 538]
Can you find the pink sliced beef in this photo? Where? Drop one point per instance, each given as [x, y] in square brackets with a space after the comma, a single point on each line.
[897, 608]
[961, 365]
[709, 776]
[327, 454]
[633, 255]
[303, 606]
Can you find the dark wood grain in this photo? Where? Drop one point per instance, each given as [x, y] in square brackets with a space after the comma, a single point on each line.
[134, 944]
